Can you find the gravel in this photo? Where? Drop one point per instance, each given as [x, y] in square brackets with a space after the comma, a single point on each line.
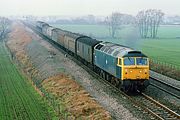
[166, 79]
[165, 98]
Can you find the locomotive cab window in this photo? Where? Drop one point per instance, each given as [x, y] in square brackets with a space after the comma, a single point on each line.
[98, 47]
[129, 61]
[141, 61]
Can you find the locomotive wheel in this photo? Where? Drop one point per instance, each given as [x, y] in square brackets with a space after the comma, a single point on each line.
[108, 77]
[125, 89]
[141, 88]
[113, 81]
[117, 82]
[135, 88]
[103, 74]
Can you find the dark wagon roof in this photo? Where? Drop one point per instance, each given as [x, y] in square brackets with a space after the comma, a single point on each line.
[45, 24]
[40, 22]
[88, 40]
[58, 30]
[50, 27]
[117, 50]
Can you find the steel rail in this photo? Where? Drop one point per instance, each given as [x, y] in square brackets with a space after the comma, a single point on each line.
[166, 84]
[177, 96]
[169, 85]
[170, 114]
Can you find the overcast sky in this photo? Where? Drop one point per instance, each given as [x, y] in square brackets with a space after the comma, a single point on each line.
[84, 7]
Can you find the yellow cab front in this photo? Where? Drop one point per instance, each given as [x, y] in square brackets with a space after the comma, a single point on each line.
[135, 68]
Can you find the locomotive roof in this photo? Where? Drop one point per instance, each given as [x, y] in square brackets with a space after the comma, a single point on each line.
[117, 50]
[50, 27]
[88, 40]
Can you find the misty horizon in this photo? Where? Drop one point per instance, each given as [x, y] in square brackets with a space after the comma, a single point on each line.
[76, 8]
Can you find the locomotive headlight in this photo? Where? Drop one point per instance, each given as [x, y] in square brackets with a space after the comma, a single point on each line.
[126, 71]
[131, 71]
[140, 71]
[145, 71]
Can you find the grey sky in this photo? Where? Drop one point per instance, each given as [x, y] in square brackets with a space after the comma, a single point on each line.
[84, 7]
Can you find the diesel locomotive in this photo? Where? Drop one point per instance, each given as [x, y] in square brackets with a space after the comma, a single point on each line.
[122, 66]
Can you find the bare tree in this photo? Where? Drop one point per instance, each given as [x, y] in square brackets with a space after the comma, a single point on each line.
[157, 18]
[140, 22]
[115, 22]
[148, 22]
[4, 24]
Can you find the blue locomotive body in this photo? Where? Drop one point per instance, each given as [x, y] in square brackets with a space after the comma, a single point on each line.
[107, 62]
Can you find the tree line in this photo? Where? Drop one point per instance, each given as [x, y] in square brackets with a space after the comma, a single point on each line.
[147, 21]
[4, 24]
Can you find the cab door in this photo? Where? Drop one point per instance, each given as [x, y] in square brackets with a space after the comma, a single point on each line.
[119, 68]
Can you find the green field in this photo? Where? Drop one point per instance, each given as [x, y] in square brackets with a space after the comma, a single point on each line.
[165, 48]
[18, 99]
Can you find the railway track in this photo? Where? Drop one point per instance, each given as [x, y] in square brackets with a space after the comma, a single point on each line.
[172, 90]
[156, 109]
[144, 102]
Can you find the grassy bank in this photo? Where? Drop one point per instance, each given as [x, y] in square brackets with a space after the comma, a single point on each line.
[18, 100]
